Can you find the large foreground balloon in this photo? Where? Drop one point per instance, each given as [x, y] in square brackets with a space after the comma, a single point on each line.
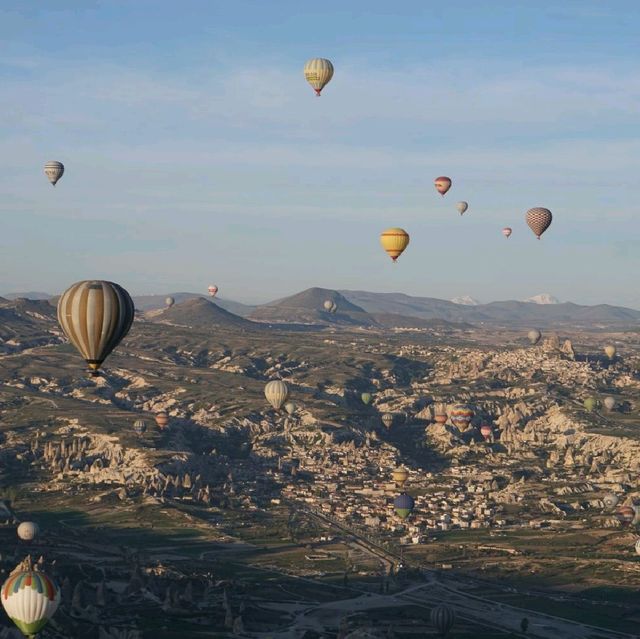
[95, 315]
[539, 220]
[442, 184]
[318, 73]
[610, 351]
[276, 393]
[28, 530]
[30, 598]
[53, 170]
[534, 336]
[400, 476]
[403, 505]
[394, 241]
[212, 289]
[443, 618]
[462, 207]
[461, 416]
[507, 231]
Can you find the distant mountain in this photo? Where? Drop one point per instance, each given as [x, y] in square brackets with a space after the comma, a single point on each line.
[202, 313]
[31, 295]
[465, 300]
[156, 302]
[543, 298]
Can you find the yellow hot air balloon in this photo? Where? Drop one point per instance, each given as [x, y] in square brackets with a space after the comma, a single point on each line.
[610, 351]
[400, 476]
[318, 73]
[394, 241]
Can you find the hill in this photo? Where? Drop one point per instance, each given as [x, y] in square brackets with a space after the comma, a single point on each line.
[157, 302]
[202, 313]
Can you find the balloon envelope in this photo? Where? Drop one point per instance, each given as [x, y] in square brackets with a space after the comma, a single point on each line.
[387, 419]
[95, 315]
[461, 415]
[318, 73]
[276, 393]
[169, 301]
[290, 407]
[610, 501]
[28, 530]
[507, 231]
[462, 207]
[442, 184]
[443, 618]
[625, 515]
[534, 336]
[609, 403]
[140, 426]
[539, 220]
[212, 289]
[53, 170]
[394, 241]
[400, 476]
[590, 403]
[610, 351]
[162, 419]
[486, 431]
[366, 398]
[328, 305]
[403, 505]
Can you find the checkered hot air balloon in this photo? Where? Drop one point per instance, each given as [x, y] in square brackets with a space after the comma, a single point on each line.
[539, 220]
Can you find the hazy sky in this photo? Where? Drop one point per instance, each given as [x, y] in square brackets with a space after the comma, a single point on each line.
[195, 151]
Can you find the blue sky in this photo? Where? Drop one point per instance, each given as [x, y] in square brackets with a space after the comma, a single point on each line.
[196, 152]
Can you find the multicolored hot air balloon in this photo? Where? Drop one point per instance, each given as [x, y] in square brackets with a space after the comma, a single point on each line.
[95, 315]
[462, 207]
[610, 501]
[28, 530]
[442, 184]
[534, 336]
[162, 419]
[212, 289]
[394, 241]
[276, 393]
[53, 170]
[625, 515]
[387, 420]
[443, 619]
[507, 231]
[30, 598]
[609, 402]
[486, 431]
[461, 416]
[169, 301]
[539, 220]
[366, 398]
[403, 505]
[140, 426]
[590, 403]
[610, 351]
[318, 73]
[400, 476]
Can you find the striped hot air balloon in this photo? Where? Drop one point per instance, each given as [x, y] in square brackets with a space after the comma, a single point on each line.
[443, 618]
[30, 598]
[387, 420]
[318, 73]
[461, 416]
[403, 505]
[54, 170]
[276, 393]
[539, 220]
[442, 184]
[28, 530]
[625, 515]
[162, 419]
[507, 231]
[95, 315]
[140, 426]
[400, 476]
[394, 241]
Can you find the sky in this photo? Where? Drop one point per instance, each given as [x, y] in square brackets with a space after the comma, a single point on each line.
[196, 153]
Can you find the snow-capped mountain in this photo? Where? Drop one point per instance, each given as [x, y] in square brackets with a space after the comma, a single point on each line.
[543, 298]
[465, 300]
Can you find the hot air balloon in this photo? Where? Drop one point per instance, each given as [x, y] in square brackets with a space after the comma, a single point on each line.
[328, 305]
[442, 619]
[366, 398]
[53, 170]
[30, 598]
[440, 418]
[403, 505]
[290, 407]
[212, 289]
[95, 315]
[625, 515]
[539, 220]
[534, 336]
[442, 184]
[140, 426]
[610, 501]
[609, 403]
[28, 530]
[169, 301]
[610, 351]
[461, 416]
[507, 231]
[334, 307]
[400, 476]
[318, 73]
[486, 431]
[387, 419]
[590, 403]
[637, 547]
[162, 419]
[462, 207]
[394, 241]
[276, 393]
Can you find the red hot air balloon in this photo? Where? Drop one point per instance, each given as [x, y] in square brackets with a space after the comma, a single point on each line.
[213, 289]
[539, 220]
[442, 184]
[507, 231]
[486, 431]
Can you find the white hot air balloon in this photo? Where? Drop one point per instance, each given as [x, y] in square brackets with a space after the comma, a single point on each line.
[328, 305]
[637, 547]
[609, 403]
[462, 207]
[213, 289]
[318, 73]
[28, 530]
[276, 393]
[53, 170]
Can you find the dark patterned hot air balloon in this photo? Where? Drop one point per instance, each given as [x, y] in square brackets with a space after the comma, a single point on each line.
[53, 170]
[387, 420]
[539, 220]
[443, 618]
[95, 315]
[403, 505]
[461, 416]
[442, 184]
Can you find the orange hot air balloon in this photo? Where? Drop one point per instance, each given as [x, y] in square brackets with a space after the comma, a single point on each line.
[539, 220]
[162, 419]
[442, 184]
[507, 231]
[440, 418]
[394, 241]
